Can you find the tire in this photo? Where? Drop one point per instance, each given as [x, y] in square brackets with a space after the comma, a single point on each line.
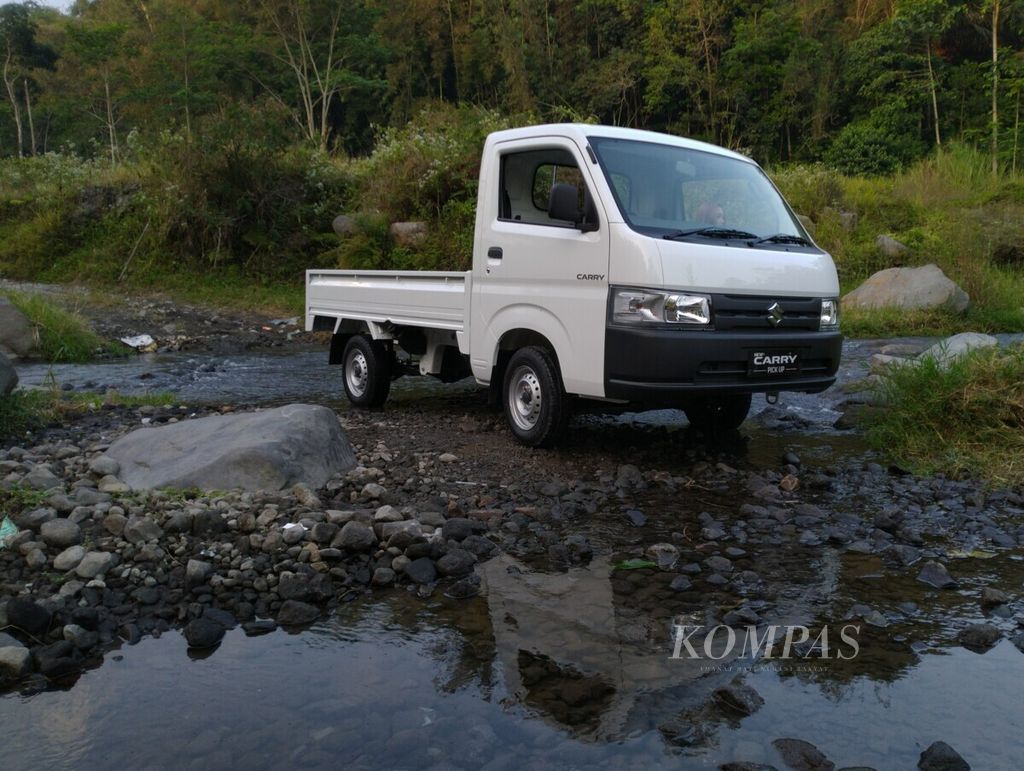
[536, 407]
[366, 371]
[718, 411]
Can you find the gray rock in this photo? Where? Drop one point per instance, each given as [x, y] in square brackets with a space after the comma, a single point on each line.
[323, 532]
[935, 574]
[387, 513]
[457, 529]
[355, 536]
[292, 533]
[802, 756]
[457, 562]
[35, 559]
[941, 757]
[956, 347]
[197, 573]
[344, 225]
[991, 597]
[8, 375]
[295, 613]
[267, 450]
[95, 563]
[890, 247]
[908, 289]
[408, 233]
[69, 558]
[34, 519]
[114, 523]
[738, 698]
[28, 616]
[203, 633]
[383, 577]
[15, 661]
[17, 335]
[681, 584]
[141, 529]
[80, 637]
[373, 491]
[60, 533]
[421, 571]
[41, 478]
[104, 465]
[979, 637]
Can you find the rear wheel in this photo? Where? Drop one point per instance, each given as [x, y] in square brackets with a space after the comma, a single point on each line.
[367, 366]
[722, 411]
[535, 405]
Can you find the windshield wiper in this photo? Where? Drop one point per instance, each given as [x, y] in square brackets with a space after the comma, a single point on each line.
[782, 238]
[710, 232]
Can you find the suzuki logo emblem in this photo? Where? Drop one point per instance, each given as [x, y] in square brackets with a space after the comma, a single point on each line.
[775, 314]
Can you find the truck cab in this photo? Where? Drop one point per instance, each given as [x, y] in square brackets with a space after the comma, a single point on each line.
[615, 265]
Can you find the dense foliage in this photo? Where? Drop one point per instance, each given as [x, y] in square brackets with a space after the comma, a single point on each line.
[146, 140]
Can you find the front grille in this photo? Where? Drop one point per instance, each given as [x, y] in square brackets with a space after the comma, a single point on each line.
[736, 371]
[745, 312]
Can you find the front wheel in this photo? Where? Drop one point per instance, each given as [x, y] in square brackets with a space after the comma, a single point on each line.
[367, 368]
[721, 411]
[536, 407]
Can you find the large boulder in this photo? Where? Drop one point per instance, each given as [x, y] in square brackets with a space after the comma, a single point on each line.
[8, 377]
[17, 335]
[956, 347]
[909, 289]
[268, 450]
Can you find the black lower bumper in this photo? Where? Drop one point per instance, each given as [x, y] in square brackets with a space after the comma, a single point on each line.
[664, 366]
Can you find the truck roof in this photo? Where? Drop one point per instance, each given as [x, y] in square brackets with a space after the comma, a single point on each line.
[581, 132]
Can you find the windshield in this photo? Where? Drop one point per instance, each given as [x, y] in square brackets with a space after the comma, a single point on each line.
[675, 192]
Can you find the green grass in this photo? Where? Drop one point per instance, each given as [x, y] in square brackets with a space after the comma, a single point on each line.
[63, 336]
[25, 411]
[964, 421]
[948, 210]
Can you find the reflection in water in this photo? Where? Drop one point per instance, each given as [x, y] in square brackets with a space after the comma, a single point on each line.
[548, 670]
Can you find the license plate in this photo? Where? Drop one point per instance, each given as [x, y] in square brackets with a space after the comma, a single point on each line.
[773, 363]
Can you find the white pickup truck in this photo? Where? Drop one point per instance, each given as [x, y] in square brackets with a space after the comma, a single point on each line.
[609, 264]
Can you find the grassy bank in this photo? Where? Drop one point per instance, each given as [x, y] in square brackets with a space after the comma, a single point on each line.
[64, 336]
[948, 210]
[25, 411]
[234, 223]
[967, 420]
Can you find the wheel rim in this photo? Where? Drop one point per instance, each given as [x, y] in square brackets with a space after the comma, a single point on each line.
[356, 373]
[525, 398]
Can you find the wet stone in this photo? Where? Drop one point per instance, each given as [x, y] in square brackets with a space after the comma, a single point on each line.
[738, 698]
[979, 637]
[802, 756]
[941, 757]
[421, 570]
[991, 597]
[29, 616]
[295, 613]
[935, 574]
[203, 633]
[681, 584]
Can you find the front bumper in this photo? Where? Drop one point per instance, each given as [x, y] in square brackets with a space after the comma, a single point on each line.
[664, 366]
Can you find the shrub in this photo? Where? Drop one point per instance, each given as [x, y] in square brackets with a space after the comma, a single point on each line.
[63, 336]
[967, 420]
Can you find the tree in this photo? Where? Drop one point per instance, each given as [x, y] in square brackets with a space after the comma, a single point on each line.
[96, 49]
[319, 43]
[21, 52]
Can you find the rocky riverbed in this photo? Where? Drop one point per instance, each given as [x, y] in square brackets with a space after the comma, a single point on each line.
[569, 572]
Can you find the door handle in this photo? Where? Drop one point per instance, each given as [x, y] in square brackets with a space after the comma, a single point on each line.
[495, 253]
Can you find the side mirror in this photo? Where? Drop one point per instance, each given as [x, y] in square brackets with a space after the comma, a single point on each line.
[564, 205]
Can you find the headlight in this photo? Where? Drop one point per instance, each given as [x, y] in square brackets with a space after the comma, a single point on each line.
[639, 306]
[829, 314]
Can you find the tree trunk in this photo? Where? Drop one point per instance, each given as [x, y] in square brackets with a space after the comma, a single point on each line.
[1016, 130]
[111, 125]
[28, 112]
[935, 97]
[15, 104]
[995, 88]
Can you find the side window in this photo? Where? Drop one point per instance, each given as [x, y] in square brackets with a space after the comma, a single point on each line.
[526, 181]
[547, 175]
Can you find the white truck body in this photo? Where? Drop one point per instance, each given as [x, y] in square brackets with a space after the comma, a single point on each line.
[580, 288]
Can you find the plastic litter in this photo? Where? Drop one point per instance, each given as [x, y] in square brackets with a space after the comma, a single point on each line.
[7, 531]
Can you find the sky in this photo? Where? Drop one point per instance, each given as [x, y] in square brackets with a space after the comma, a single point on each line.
[61, 4]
